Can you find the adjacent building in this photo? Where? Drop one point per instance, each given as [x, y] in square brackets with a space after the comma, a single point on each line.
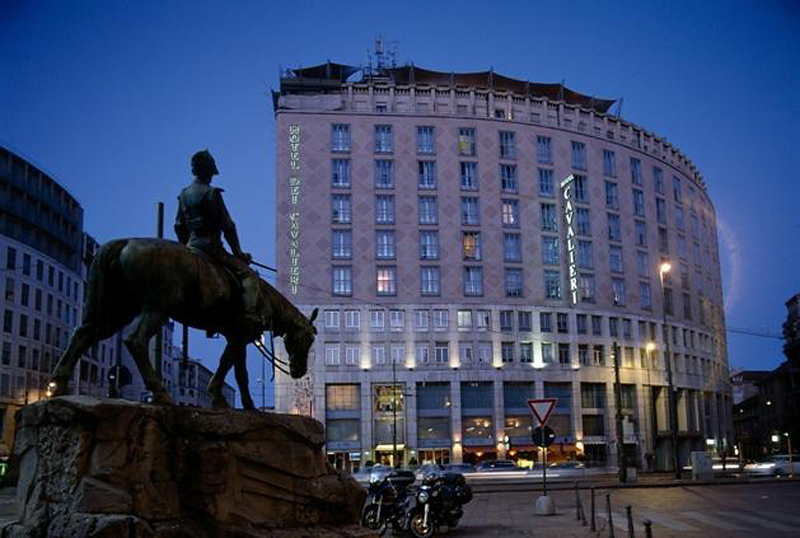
[41, 271]
[474, 241]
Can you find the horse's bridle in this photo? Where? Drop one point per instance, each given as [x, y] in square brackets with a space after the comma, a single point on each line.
[270, 355]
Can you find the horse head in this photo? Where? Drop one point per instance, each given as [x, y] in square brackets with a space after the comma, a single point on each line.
[298, 342]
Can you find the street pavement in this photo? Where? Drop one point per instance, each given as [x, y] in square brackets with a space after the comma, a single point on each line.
[735, 510]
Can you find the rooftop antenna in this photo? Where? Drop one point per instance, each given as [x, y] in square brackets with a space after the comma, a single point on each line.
[379, 60]
[619, 107]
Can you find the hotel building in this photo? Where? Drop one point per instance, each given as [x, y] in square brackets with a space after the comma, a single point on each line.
[474, 241]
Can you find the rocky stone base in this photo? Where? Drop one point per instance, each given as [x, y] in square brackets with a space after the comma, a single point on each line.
[111, 468]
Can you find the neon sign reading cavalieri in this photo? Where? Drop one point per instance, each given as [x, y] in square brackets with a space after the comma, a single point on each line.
[569, 215]
[294, 216]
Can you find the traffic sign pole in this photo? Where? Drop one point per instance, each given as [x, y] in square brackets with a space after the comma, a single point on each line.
[544, 469]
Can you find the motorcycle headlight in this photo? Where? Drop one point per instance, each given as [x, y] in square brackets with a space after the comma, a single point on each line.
[422, 496]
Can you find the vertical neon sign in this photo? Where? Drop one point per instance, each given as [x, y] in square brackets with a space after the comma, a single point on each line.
[294, 215]
[569, 216]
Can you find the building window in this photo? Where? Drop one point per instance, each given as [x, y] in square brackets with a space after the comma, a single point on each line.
[562, 323]
[386, 280]
[384, 174]
[378, 355]
[342, 280]
[352, 355]
[507, 147]
[470, 214]
[525, 321]
[658, 180]
[612, 197]
[507, 321]
[340, 172]
[578, 155]
[340, 208]
[465, 353]
[615, 259]
[430, 281]
[341, 244]
[583, 220]
[679, 220]
[614, 230]
[510, 213]
[427, 174]
[512, 247]
[645, 300]
[471, 245]
[426, 140]
[663, 241]
[546, 183]
[549, 218]
[428, 210]
[469, 176]
[642, 264]
[618, 287]
[545, 322]
[563, 354]
[352, 319]
[429, 245]
[593, 396]
[613, 327]
[526, 352]
[676, 189]
[550, 255]
[507, 351]
[585, 258]
[609, 163]
[552, 285]
[636, 171]
[385, 244]
[581, 189]
[440, 320]
[464, 320]
[581, 324]
[421, 320]
[422, 352]
[332, 357]
[442, 353]
[484, 320]
[466, 141]
[340, 137]
[547, 353]
[661, 213]
[513, 279]
[586, 286]
[473, 281]
[384, 141]
[397, 320]
[377, 320]
[640, 231]
[508, 178]
[544, 153]
[384, 209]
[638, 203]
[597, 326]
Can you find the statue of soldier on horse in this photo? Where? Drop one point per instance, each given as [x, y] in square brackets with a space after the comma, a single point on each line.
[195, 282]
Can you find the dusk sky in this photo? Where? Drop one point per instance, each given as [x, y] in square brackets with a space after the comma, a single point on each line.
[112, 98]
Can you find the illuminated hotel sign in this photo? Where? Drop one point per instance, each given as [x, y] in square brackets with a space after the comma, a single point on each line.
[294, 216]
[569, 216]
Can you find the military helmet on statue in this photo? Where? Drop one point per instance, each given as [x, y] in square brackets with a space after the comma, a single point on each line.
[204, 164]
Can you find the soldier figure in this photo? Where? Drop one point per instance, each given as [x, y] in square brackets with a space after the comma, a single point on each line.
[202, 217]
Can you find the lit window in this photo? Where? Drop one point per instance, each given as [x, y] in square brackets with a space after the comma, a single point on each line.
[466, 141]
[464, 320]
[387, 280]
[471, 245]
[511, 213]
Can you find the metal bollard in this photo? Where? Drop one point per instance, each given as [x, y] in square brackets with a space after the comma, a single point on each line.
[593, 527]
[577, 503]
[648, 531]
[610, 520]
[630, 522]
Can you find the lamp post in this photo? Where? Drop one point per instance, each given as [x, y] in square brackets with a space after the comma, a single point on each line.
[664, 269]
[650, 347]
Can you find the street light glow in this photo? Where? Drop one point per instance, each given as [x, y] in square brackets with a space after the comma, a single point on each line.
[651, 346]
[665, 267]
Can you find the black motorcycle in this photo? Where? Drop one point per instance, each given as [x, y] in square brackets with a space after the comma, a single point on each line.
[438, 501]
[387, 501]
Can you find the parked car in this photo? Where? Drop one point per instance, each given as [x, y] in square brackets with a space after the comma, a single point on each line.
[463, 468]
[775, 465]
[426, 469]
[490, 466]
[567, 465]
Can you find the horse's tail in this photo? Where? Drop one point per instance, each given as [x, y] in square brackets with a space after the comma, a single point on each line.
[100, 287]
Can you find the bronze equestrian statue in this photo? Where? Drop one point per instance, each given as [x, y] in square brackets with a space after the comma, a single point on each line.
[148, 281]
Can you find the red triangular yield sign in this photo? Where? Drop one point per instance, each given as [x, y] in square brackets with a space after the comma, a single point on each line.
[542, 408]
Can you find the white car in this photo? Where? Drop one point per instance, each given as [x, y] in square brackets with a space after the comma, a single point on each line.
[777, 465]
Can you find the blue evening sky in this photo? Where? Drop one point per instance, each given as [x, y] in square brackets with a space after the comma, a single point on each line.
[112, 97]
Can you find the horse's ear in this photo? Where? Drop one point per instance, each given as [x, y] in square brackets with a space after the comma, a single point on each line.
[313, 315]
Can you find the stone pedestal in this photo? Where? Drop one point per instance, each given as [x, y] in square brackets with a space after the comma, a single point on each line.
[110, 468]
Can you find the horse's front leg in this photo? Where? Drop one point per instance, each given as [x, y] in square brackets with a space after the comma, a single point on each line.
[218, 379]
[242, 380]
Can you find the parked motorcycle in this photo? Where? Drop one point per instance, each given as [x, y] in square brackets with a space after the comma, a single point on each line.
[438, 501]
[387, 501]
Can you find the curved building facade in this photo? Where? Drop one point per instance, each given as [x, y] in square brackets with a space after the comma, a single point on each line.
[41, 271]
[474, 241]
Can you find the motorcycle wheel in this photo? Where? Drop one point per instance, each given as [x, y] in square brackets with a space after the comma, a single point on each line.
[417, 527]
[369, 518]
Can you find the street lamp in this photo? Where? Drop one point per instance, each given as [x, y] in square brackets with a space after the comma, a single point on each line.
[649, 348]
[663, 270]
